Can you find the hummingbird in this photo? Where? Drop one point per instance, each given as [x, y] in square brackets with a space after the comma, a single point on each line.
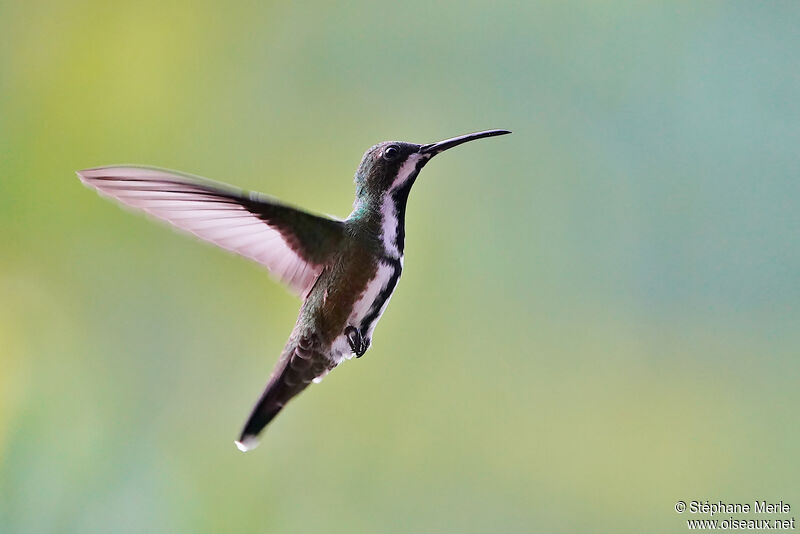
[344, 270]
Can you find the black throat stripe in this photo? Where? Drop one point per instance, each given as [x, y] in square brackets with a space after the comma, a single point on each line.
[400, 200]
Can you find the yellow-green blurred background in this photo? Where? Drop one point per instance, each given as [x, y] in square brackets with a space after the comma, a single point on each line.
[598, 315]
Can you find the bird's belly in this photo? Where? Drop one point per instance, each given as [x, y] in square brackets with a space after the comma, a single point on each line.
[370, 305]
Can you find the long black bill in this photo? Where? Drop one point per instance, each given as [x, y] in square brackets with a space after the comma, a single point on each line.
[441, 146]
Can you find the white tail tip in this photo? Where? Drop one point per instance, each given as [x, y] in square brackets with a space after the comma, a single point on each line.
[247, 444]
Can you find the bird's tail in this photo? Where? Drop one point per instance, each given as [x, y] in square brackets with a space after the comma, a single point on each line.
[295, 370]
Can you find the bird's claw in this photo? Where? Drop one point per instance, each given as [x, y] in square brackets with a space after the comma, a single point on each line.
[358, 343]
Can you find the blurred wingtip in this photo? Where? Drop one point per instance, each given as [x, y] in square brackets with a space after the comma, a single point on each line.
[85, 175]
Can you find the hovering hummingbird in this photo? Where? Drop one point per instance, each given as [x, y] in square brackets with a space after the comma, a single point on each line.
[345, 271]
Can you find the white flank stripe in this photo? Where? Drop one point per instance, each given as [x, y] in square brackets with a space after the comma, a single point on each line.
[340, 349]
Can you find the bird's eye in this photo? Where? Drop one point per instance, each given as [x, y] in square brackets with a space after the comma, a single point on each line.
[391, 152]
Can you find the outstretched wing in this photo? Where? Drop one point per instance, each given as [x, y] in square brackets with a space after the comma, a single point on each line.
[292, 244]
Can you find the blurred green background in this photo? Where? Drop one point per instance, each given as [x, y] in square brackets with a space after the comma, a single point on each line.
[598, 315]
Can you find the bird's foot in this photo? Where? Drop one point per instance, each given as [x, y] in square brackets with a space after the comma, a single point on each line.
[358, 343]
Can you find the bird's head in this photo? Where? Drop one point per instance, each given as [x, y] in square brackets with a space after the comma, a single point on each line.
[392, 167]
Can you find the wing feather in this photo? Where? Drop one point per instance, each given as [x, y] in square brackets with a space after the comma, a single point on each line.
[292, 244]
